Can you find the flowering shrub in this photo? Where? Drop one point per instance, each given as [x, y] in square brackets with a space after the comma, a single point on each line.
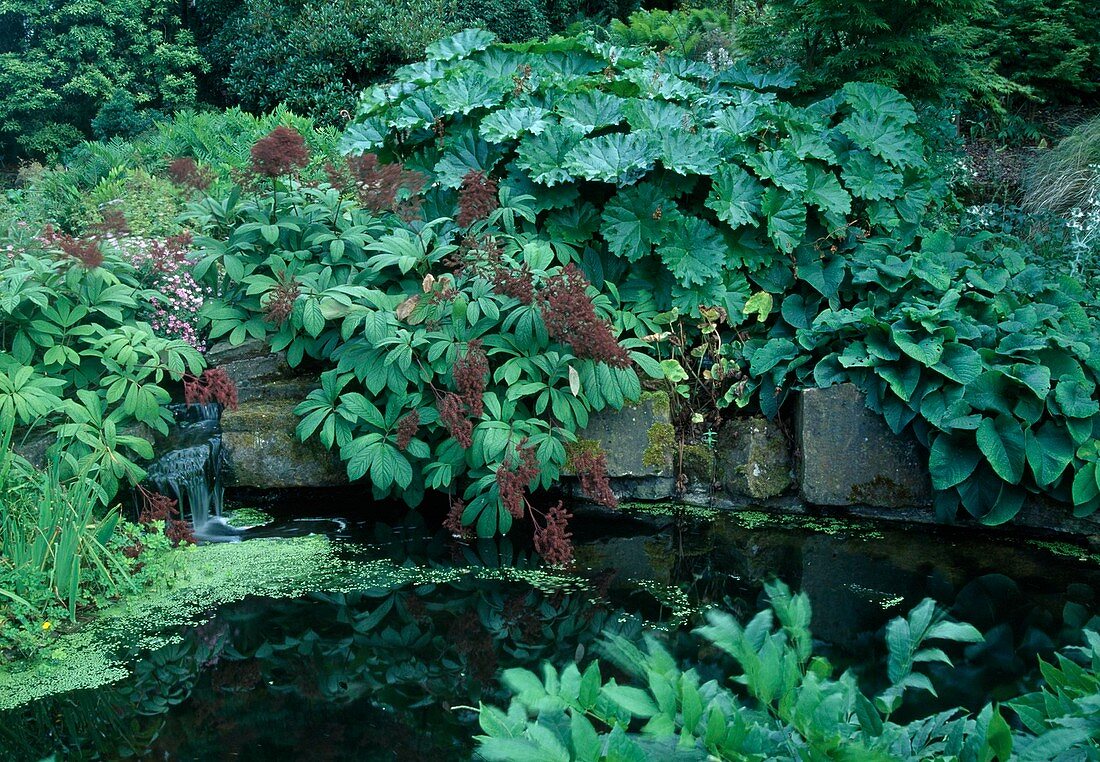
[176, 299]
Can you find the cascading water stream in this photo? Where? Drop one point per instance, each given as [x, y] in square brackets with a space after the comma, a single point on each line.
[191, 469]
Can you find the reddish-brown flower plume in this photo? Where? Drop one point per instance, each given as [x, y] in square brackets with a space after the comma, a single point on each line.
[590, 466]
[84, 250]
[280, 302]
[515, 283]
[280, 153]
[477, 198]
[552, 541]
[513, 480]
[453, 415]
[570, 318]
[378, 185]
[407, 428]
[453, 522]
[214, 385]
[186, 173]
[470, 374]
[157, 507]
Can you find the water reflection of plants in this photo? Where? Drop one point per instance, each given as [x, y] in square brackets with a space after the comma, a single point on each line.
[410, 656]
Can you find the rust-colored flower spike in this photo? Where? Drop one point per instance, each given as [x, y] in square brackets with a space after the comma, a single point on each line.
[552, 541]
[186, 173]
[280, 153]
[214, 385]
[477, 198]
[570, 318]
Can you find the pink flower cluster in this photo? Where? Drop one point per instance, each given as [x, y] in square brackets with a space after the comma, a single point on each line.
[174, 312]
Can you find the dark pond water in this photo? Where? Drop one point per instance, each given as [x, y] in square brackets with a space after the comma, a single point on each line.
[390, 674]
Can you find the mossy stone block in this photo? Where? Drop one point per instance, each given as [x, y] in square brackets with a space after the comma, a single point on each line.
[851, 457]
[754, 458]
[262, 450]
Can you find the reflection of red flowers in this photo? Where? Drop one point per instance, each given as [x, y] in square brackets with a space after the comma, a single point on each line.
[512, 481]
[407, 428]
[280, 153]
[591, 469]
[477, 198]
[214, 385]
[570, 318]
[552, 541]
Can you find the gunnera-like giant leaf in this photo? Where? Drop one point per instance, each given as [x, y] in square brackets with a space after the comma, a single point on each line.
[459, 45]
[636, 219]
[543, 155]
[693, 250]
[735, 196]
[615, 158]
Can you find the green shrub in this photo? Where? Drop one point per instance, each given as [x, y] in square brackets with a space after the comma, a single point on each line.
[779, 701]
[680, 187]
[1049, 47]
[62, 64]
[314, 56]
[925, 50]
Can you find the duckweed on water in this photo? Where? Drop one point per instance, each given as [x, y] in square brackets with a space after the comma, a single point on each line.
[246, 518]
[1066, 550]
[100, 651]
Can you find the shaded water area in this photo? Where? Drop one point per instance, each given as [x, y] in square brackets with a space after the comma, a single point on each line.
[391, 672]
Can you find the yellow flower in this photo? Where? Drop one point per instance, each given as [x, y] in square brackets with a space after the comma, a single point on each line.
[46, 625]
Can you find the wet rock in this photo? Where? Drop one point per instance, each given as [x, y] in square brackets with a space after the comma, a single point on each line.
[849, 456]
[259, 373]
[754, 459]
[262, 450]
[639, 441]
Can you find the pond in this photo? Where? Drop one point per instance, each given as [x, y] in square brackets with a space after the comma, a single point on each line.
[394, 669]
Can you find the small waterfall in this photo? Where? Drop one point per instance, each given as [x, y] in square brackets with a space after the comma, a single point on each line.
[191, 469]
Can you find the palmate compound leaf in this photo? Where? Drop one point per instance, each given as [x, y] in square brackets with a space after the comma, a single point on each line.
[687, 153]
[543, 156]
[512, 122]
[786, 219]
[636, 219]
[615, 158]
[693, 250]
[459, 45]
[735, 196]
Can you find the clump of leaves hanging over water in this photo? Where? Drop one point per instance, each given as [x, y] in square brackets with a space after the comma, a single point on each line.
[680, 188]
[778, 700]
